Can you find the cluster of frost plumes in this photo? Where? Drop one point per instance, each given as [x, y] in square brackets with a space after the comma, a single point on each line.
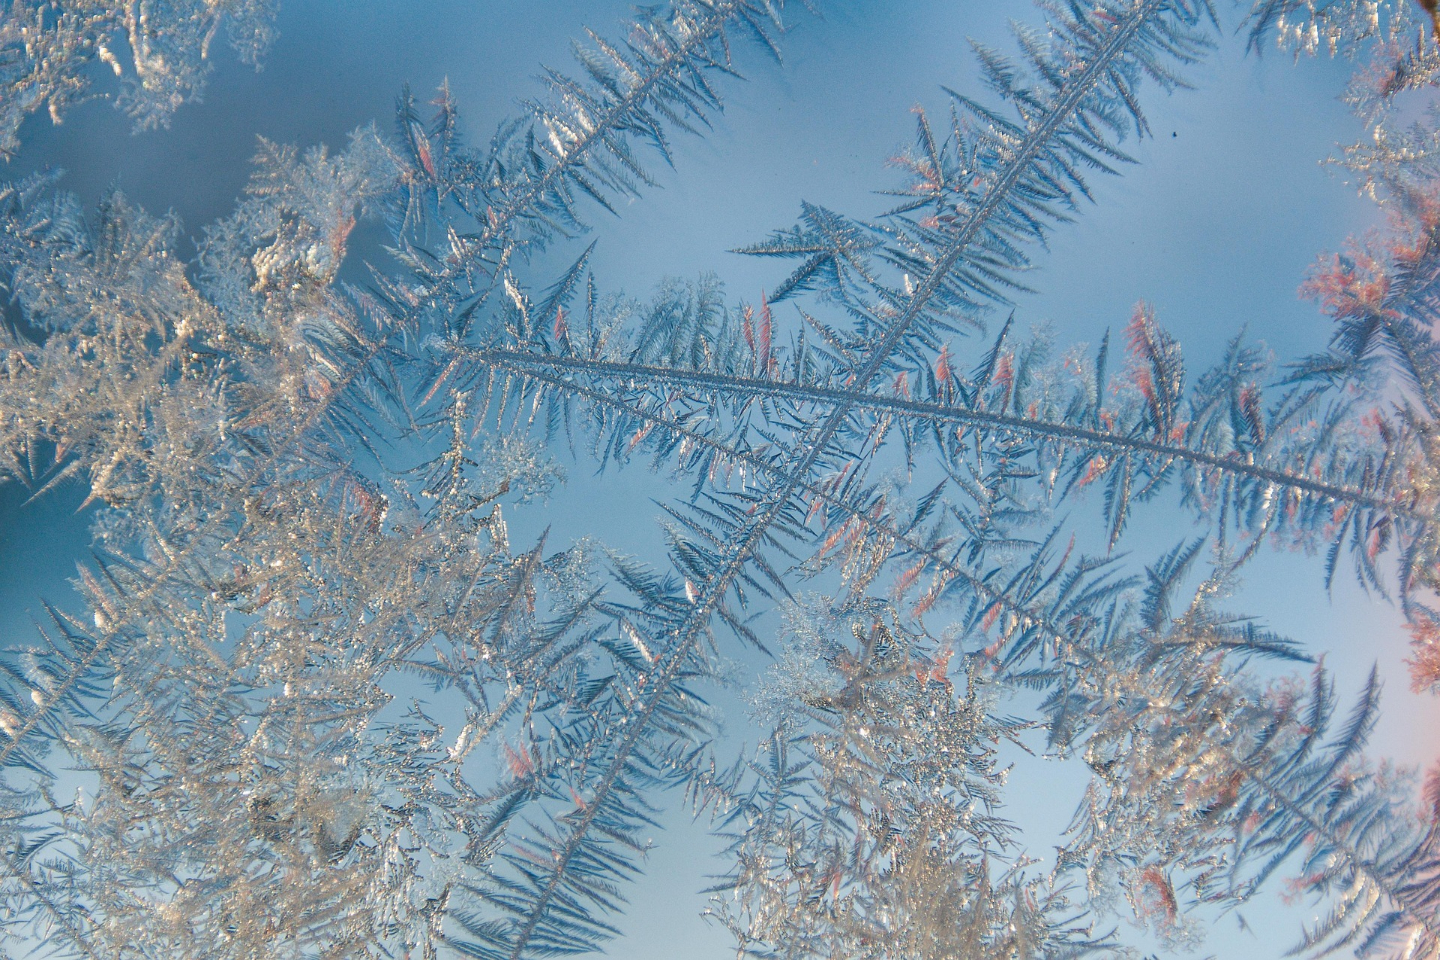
[253, 784]
[159, 50]
[873, 828]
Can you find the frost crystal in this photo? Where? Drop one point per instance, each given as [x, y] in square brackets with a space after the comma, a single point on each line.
[324, 700]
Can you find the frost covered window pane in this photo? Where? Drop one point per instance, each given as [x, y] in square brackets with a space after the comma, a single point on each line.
[365, 660]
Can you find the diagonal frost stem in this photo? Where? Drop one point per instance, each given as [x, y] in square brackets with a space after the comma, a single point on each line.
[523, 362]
[617, 119]
[809, 449]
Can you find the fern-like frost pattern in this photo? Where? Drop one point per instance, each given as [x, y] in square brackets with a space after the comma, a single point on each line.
[302, 474]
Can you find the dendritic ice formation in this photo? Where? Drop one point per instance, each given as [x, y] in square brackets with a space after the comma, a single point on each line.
[319, 704]
[157, 48]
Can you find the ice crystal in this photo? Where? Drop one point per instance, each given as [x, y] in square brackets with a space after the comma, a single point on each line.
[305, 487]
[159, 49]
